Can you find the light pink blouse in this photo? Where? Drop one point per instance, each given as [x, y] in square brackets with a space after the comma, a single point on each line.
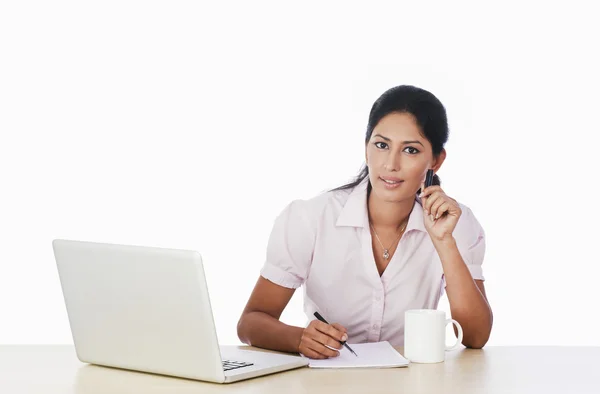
[324, 243]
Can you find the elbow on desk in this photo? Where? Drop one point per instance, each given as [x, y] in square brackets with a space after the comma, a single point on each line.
[476, 335]
[476, 341]
[475, 344]
[241, 331]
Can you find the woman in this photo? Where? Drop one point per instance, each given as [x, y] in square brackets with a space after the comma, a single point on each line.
[370, 250]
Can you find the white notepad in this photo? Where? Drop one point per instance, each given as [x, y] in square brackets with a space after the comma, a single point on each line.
[370, 355]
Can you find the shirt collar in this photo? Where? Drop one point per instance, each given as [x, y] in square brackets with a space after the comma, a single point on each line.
[355, 212]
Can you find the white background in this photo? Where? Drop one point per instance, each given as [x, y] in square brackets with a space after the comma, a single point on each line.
[183, 125]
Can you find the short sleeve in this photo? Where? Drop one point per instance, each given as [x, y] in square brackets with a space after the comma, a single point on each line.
[470, 239]
[290, 247]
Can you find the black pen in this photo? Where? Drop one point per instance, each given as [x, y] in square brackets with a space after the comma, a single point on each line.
[318, 316]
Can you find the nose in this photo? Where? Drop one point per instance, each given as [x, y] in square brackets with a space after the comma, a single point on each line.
[392, 162]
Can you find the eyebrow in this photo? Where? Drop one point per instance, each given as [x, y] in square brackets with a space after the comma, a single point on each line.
[403, 142]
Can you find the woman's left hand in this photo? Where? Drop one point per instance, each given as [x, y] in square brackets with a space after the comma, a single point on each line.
[441, 213]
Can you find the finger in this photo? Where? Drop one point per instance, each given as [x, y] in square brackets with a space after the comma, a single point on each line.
[445, 207]
[326, 340]
[339, 327]
[426, 192]
[305, 349]
[322, 349]
[311, 353]
[436, 206]
[452, 207]
[320, 326]
[430, 201]
[330, 330]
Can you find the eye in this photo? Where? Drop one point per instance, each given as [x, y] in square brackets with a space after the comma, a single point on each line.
[381, 145]
[413, 151]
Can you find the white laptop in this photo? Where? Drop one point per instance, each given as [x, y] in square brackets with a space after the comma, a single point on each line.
[148, 309]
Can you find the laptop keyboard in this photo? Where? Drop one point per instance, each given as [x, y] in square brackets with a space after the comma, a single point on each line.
[228, 365]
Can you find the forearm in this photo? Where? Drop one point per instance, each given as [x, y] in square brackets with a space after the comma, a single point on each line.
[467, 304]
[262, 330]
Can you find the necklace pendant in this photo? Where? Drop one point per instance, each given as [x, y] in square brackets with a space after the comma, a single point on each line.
[386, 254]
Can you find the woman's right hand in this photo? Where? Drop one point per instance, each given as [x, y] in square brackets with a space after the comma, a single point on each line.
[318, 335]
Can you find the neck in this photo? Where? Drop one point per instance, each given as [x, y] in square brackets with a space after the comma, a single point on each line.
[389, 215]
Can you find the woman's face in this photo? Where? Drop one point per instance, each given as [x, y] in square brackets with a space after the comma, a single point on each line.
[398, 157]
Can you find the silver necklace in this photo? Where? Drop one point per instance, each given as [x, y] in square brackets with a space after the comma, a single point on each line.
[386, 252]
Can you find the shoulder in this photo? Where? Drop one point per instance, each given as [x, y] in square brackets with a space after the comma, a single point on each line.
[469, 230]
[312, 211]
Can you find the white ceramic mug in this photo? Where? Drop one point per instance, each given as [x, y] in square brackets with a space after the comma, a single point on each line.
[425, 335]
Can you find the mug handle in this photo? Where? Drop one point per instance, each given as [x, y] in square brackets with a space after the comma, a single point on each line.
[459, 338]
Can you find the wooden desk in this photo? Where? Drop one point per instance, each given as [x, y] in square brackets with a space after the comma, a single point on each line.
[544, 370]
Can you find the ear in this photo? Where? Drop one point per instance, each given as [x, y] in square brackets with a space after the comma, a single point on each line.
[438, 161]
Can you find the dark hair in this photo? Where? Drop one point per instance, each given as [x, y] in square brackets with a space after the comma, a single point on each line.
[428, 111]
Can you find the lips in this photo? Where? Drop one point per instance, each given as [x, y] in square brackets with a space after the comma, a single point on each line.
[391, 180]
[391, 183]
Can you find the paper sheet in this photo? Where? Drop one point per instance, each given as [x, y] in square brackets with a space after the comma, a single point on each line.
[370, 355]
